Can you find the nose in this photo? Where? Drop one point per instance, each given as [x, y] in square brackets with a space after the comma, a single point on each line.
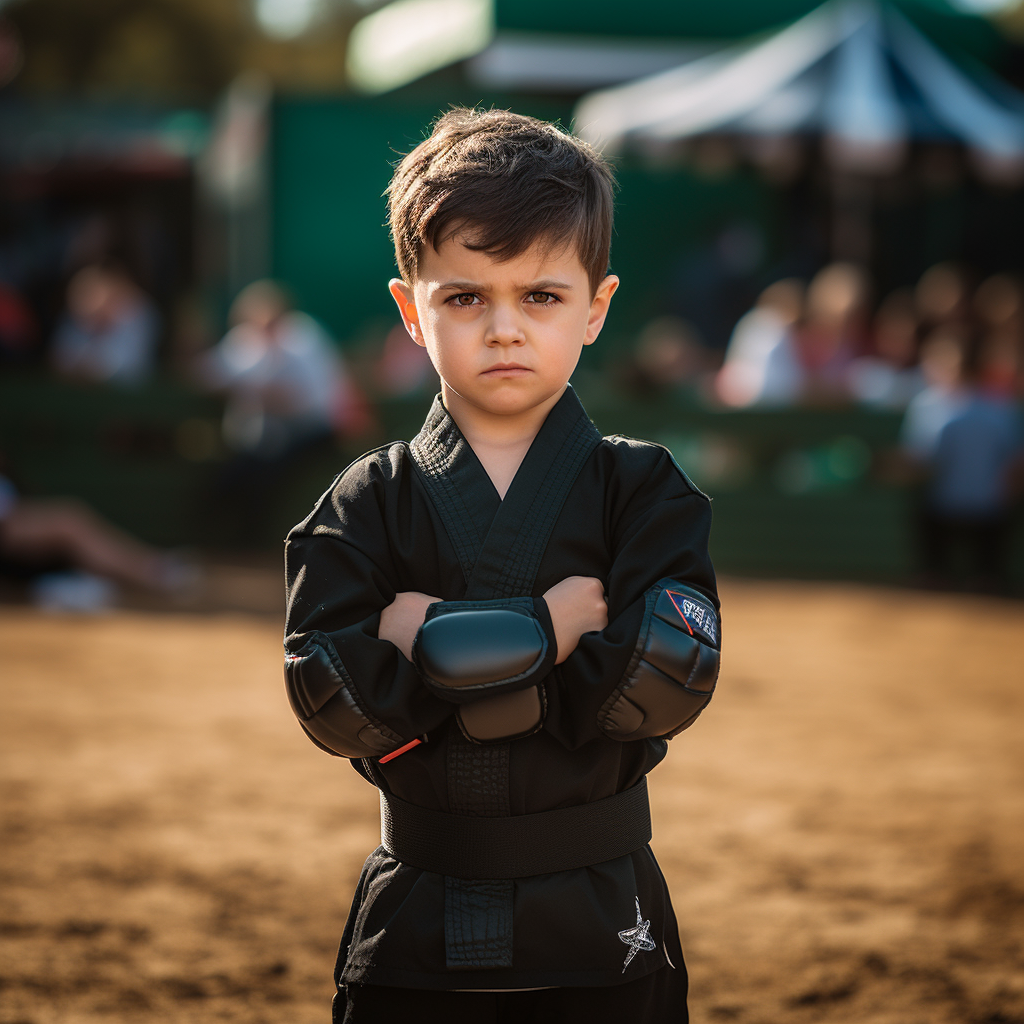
[505, 325]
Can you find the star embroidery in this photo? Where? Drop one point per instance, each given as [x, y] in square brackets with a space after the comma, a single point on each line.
[638, 938]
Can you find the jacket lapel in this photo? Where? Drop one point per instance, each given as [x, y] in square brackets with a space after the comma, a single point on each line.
[510, 557]
[458, 485]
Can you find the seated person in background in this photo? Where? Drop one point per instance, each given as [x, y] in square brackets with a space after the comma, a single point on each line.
[762, 366]
[284, 379]
[110, 331]
[40, 535]
[969, 448]
[1000, 308]
[833, 330]
[943, 354]
[287, 392]
[670, 356]
[943, 297]
[889, 377]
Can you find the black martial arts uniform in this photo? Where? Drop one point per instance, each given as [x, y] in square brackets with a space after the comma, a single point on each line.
[474, 887]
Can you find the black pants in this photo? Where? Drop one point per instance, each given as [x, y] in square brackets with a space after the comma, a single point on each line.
[657, 998]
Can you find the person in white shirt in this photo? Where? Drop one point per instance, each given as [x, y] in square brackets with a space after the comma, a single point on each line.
[110, 331]
[889, 377]
[286, 393]
[283, 376]
[762, 366]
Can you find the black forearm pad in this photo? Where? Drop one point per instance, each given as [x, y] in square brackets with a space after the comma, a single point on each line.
[467, 650]
[325, 701]
[673, 671]
[505, 716]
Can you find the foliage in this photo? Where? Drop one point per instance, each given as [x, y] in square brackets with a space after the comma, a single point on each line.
[176, 50]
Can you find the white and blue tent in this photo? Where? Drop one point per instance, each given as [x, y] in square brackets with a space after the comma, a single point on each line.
[855, 73]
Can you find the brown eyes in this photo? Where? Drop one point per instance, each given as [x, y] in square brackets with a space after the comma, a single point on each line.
[472, 299]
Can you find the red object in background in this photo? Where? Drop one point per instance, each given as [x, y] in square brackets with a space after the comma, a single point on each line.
[353, 415]
[18, 332]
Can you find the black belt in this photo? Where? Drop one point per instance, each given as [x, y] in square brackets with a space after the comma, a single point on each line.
[461, 846]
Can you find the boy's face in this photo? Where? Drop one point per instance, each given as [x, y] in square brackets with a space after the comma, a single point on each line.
[503, 337]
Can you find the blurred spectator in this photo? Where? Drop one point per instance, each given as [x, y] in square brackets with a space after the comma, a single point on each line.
[943, 295]
[57, 535]
[943, 355]
[999, 365]
[970, 448]
[284, 379]
[889, 378]
[110, 331]
[833, 330]
[287, 393]
[18, 335]
[669, 356]
[403, 367]
[762, 365]
[1000, 309]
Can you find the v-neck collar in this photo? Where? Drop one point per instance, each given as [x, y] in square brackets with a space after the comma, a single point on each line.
[485, 529]
[510, 557]
[463, 493]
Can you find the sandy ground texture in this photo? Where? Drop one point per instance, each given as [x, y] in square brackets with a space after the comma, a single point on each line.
[843, 831]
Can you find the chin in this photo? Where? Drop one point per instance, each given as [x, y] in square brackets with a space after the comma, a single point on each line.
[510, 404]
[507, 407]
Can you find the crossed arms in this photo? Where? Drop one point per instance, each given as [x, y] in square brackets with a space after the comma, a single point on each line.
[366, 672]
[577, 605]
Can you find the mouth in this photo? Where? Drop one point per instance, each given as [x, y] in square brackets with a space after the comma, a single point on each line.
[507, 370]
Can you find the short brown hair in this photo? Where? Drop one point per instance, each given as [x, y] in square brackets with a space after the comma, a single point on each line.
[511, 180]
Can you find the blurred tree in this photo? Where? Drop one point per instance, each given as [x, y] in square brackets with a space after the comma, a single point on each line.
[1011, 20]
[177, 50]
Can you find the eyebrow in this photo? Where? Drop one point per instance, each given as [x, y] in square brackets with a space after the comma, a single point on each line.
[538, 286]
[460, 286]
[533, 286]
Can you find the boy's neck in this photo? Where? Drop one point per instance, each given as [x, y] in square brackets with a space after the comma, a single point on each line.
[500, 442]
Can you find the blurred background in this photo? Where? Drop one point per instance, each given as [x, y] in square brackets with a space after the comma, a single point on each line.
[818, 232]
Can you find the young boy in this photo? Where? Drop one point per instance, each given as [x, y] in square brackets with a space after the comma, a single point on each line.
[502, 622]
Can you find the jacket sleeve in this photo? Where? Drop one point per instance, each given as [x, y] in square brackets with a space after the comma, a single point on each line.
[652, 670]
[354, 694]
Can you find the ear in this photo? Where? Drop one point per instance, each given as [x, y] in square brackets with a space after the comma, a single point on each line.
[599, 308]
[403, 295]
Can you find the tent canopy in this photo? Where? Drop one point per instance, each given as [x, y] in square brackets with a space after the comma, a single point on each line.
[855, 72]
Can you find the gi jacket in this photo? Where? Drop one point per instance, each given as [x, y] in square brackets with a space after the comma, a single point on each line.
[423, 518]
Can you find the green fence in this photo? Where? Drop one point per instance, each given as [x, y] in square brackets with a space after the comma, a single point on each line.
[138, 457]
[795, 492]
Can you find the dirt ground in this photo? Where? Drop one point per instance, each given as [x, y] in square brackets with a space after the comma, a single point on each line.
[843, 831]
